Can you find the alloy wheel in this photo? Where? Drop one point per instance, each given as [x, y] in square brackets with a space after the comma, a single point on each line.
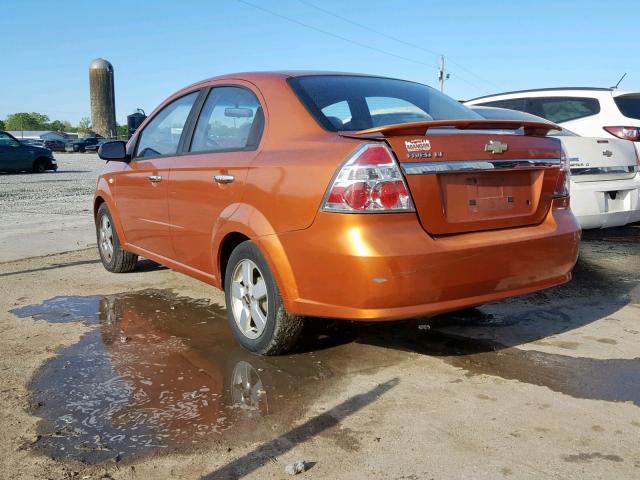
[249, 299]
[106, 238]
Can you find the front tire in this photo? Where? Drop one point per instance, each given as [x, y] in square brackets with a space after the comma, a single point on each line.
[39, 166]
[255, 311]
[113, 257]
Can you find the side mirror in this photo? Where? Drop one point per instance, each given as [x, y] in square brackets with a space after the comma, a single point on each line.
[113, 151]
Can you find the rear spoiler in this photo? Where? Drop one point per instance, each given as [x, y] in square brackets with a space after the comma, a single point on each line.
[420, 128]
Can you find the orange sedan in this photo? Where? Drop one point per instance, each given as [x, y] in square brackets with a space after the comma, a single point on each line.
[309, 194]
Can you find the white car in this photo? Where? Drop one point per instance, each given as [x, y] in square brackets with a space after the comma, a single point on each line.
[590, 112]
[605, 183]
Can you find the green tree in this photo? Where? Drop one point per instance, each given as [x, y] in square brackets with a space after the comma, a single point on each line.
[84, 125]
[26, 121]
[2, 127]
[58, 126]
[122, 131]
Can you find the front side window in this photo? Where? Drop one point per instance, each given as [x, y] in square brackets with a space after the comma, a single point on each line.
[563, 109]
[6, 140]
[162, 135]
[373, 101]
[231, 119]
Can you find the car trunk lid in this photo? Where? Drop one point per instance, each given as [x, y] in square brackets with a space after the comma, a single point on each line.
[473, 175]
[600, 159]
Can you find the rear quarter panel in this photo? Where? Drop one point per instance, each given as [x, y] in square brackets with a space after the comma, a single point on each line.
[287, 180]
[287, 183]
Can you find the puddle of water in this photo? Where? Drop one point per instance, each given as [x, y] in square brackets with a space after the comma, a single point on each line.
[63, 310]
[158, 371]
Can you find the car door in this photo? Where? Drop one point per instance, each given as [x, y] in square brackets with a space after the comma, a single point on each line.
[141, 187]
[210, 177]
[14, 155]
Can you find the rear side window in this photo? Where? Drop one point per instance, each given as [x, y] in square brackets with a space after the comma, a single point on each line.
[629, 105]
[350, 102]
[162, 135]
[563, 109]
[231, 119]
[512, 104]
[494, 113]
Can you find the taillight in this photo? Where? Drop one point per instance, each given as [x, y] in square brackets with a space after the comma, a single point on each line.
[369, 181]
[563, 183]
[626, 133]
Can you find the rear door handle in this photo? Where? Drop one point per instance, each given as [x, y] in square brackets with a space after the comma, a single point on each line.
[155, 178]
[224, 178]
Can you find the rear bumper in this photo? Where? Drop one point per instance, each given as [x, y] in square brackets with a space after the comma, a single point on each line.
[594, 208]
[385, 267]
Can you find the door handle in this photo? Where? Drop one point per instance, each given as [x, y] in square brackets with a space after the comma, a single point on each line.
[224, 178]
[155, 178]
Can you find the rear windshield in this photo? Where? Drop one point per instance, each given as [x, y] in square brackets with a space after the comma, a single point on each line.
[350, 102]
[629, 105]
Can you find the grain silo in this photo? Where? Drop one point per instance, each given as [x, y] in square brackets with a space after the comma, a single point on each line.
[103, 102]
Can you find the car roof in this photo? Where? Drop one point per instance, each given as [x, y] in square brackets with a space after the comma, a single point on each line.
[279, 75]
[268, 82]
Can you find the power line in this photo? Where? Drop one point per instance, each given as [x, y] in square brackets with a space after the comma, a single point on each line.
[354, 42]
[395, 39]
[365, 27]
[335, 35]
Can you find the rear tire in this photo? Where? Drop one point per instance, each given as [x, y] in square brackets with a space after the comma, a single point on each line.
[255, 311]
[113, 257]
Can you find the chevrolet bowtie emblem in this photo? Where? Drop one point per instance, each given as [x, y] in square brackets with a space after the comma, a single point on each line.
[607, 153]
[495, 146]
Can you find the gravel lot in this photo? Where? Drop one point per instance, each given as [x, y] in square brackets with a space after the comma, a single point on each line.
[47, 213]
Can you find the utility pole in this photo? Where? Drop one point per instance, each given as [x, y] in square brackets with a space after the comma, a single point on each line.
[442, 76]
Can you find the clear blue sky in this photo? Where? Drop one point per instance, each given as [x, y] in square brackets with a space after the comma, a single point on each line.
[158, 47]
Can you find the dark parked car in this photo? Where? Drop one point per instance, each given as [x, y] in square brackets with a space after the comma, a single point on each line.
[80, 145]
[55, 145]
[33, 142]
[93, 147]
[16, 156]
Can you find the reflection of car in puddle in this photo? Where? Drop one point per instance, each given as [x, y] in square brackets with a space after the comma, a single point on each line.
[159, 370]
[247, 390]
